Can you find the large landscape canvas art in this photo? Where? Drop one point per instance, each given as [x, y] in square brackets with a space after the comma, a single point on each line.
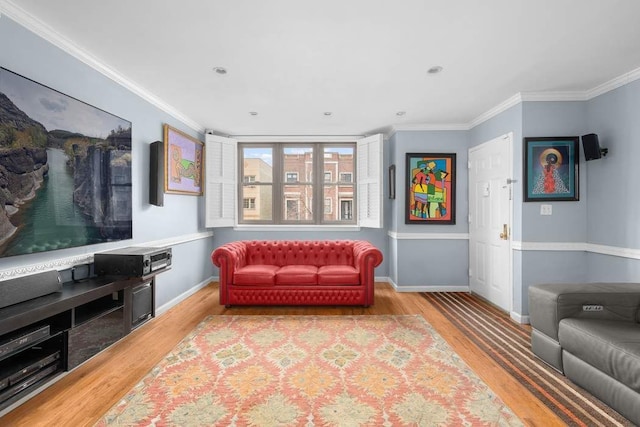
[65, 170]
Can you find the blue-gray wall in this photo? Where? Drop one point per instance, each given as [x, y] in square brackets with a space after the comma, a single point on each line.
[27, 54]
[596, 238]
[613, 207]
[428, 256]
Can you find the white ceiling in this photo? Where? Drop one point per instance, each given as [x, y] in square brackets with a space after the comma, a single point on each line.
[362, 60]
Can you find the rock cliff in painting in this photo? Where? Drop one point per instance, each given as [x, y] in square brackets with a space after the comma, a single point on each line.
[23, 161]
[97, 170]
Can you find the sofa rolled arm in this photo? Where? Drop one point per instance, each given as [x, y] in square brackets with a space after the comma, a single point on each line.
[228, 258]
[366, 258]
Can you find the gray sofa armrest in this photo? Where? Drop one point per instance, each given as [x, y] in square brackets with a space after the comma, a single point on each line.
[550, 303]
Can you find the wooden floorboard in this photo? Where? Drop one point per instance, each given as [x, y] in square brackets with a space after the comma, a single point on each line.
[81, 397]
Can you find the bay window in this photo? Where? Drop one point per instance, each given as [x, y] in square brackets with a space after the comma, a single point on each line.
[293, 181]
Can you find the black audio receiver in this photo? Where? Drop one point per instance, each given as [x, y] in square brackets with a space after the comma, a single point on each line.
[134, 261]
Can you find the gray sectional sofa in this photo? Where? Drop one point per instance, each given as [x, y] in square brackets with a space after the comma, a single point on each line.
[591, 333]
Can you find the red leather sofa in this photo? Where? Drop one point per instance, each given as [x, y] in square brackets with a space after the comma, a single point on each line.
[296, 272]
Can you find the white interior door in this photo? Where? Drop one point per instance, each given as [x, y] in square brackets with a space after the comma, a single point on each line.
[490, 221]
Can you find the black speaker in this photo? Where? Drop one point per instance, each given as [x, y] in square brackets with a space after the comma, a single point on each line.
[24, 288]
[142, 304]
[156, 173]
[591, 147]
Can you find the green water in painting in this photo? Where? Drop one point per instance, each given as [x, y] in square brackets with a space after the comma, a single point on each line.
[51, 220]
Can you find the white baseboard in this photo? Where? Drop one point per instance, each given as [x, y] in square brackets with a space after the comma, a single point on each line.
[522, 319]
[177, 300]
[432, 288]
[427, 288]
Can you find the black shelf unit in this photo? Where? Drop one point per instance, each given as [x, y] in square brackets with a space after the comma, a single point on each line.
[31, 367]
[49, 335]
[97, 308]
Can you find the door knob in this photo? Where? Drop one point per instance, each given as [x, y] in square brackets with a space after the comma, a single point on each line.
[505, 232]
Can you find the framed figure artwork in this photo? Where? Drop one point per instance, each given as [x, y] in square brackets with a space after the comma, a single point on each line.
[551, 169]
[184, 160]
[430, 187]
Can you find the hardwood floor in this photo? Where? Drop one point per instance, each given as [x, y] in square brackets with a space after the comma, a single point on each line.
[84, 395]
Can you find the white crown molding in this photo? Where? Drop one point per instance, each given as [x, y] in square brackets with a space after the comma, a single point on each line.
[503, 106]
[613, 83]
[10, 9]
[428, 236]
[527, 97]
[520, 97]
[553, 96]
[429, 127]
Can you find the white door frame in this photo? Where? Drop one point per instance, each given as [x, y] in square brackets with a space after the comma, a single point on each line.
[510, 182]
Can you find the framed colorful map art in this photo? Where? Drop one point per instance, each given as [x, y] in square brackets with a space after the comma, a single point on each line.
[551, 169]
[184, 160]
[430, 188]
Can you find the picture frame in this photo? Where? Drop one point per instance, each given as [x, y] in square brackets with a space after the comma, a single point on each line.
[430, 188]
[551, 169]
[183, 164]
[392, 182]
[67, 170]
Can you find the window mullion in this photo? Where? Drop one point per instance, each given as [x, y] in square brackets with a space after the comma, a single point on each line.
[318, 183]
[278, 183]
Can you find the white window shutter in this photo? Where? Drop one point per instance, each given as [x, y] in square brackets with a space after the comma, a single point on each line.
[221, 181]
[370, 192]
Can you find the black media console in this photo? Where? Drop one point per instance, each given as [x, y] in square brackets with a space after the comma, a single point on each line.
[45, 336]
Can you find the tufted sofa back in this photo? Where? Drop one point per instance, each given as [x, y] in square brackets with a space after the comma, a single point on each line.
[296, 252]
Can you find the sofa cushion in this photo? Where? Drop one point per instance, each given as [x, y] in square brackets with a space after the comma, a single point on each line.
[297, 275]
[338, 275]
[611, 346]
[257, 274]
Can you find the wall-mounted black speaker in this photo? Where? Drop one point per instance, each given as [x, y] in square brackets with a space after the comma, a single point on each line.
[591, 147]
[156, 173]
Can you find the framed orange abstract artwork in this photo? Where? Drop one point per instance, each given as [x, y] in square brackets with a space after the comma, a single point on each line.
[430, 188]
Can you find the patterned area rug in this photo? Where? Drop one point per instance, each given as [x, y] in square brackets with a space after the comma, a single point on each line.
[509, 344]
[311, 371]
